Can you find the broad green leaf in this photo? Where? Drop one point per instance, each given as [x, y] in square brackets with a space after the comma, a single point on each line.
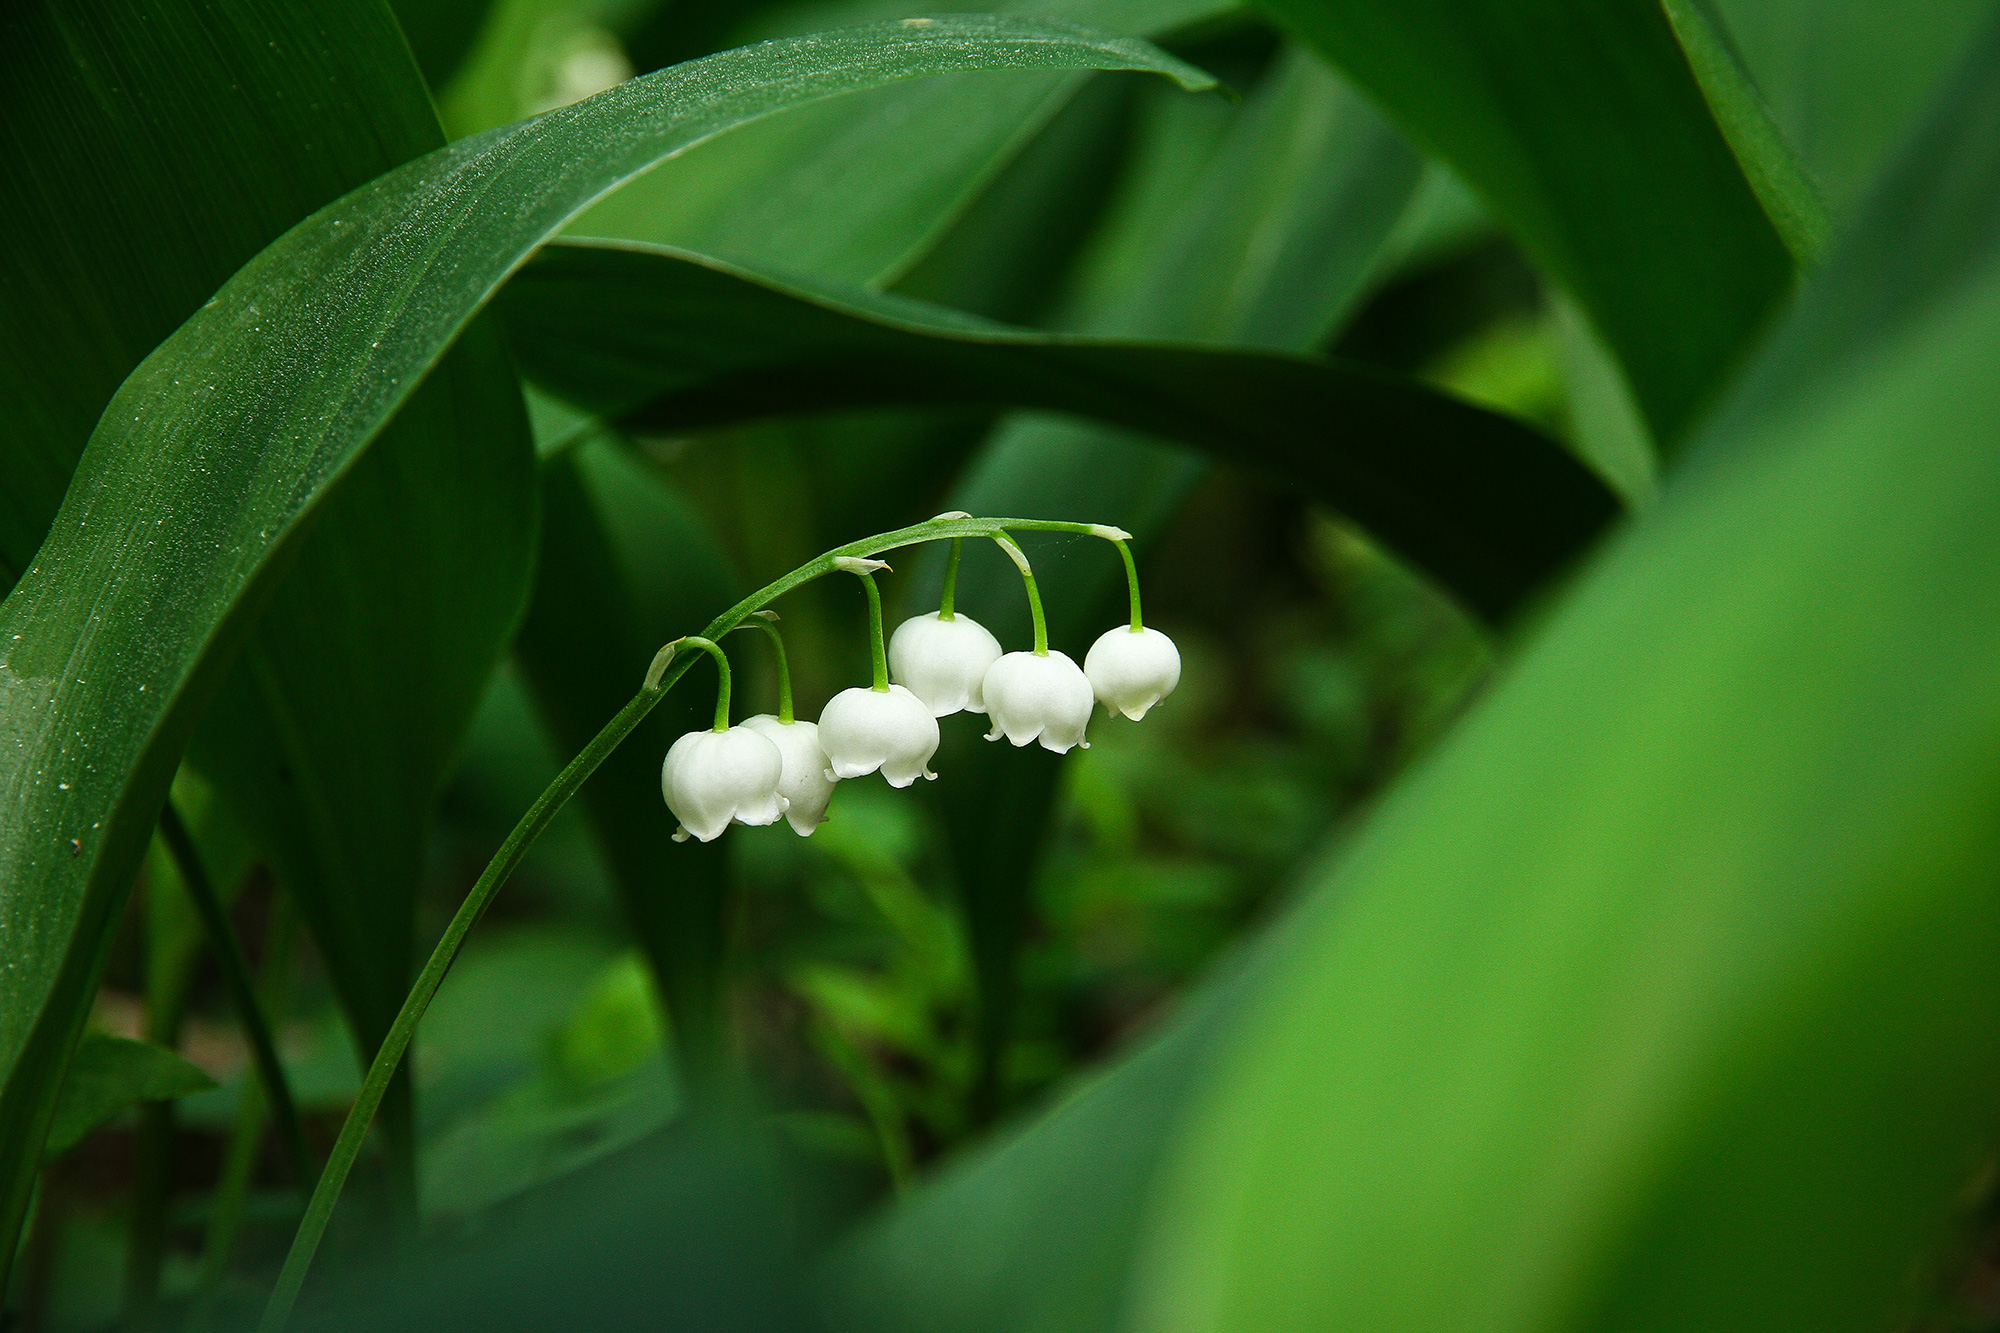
[330, 736]
[1666, 997]
[1581, 124]
[106, 1075]
[669, 341]
[857, 191]
[198, 479]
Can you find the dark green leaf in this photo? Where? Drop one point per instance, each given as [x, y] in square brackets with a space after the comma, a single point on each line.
[671, 340]
[1580, 123]
[199, 476]
[106, 1075]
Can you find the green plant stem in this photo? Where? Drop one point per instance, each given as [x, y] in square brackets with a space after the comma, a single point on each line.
[785, 714]
[146, 1232]
[239, 1171]
[1034, 594]
[1131, 581]
[668, 666]
[714, 649]
[947, 602]
[878, 655]
[228, 953]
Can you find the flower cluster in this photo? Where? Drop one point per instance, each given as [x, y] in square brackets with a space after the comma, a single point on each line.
[773, 766]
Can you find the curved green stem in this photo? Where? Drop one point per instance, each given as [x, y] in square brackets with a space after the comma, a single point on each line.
[668, 666]
[1034, 593]
[714, 649]
[1131, 581]
[764, 620]
[878, 654]
[228, 952]
[949, 600]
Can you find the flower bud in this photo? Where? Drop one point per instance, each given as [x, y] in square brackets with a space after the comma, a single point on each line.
[712, 777]
[804, 784]
[1038, 698]
[943, 662]
[1132, 669]
[861, 730]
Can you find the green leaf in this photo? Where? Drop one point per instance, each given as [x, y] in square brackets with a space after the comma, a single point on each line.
[330, 737]
[857, 191]
[1580, 123]
[106, 1075]
[202, 471]
[1769, 161]
[670, 341]
[1848, 81]
[1665, 997]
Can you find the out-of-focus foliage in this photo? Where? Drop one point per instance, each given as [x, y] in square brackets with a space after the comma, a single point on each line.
[1499, 926]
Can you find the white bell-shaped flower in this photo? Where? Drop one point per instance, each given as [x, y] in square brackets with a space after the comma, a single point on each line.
[804, 783]
[943, 662]
[713, 777]
[1045, 698]
[1132, 669]
[862, 730]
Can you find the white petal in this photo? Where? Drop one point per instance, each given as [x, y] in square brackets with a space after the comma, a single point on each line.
[942, 662]
[713, 777]
[863, 730]
[804, 783]
[1131, 670]
[1038, 698]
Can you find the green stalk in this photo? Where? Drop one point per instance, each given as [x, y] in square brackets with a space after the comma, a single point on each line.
[947, 602]
[765, 620]
[1034, 593]
[239, 1171]
[228, 953]
[669, 665]
[1131, 581]
[877, 652]
[714, 649]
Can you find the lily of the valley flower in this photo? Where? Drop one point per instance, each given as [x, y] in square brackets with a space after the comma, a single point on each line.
[943, 661]
[862, 730]
[713, 777]
[1130, 670]
[1037, 696]
[803, 783]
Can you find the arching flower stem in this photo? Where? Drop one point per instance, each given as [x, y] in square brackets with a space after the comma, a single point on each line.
[947, 602]
[767, 621]
[1034, 594]
[1131, 581]
[865, 571]
[714, 649]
